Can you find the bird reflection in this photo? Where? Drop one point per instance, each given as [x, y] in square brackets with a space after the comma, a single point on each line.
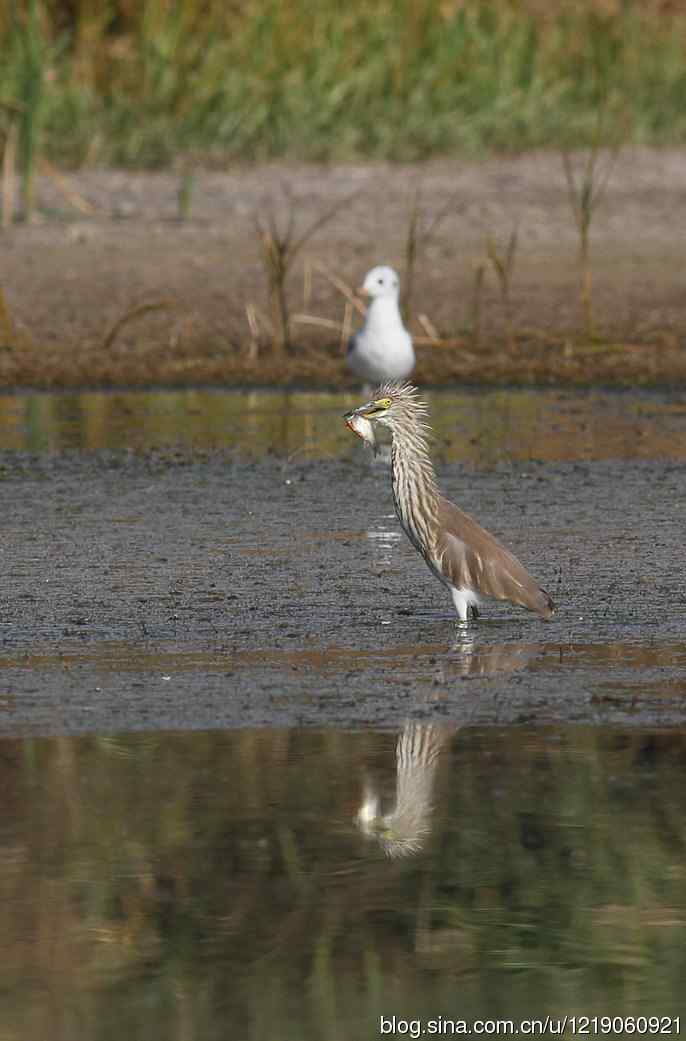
[405, 828]
[469, 657]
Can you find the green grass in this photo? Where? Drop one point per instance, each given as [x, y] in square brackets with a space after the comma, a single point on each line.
[137, 84]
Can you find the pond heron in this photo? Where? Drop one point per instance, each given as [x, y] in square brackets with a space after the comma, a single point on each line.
[462, 555]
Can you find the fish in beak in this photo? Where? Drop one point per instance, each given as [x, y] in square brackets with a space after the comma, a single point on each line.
[361, 426]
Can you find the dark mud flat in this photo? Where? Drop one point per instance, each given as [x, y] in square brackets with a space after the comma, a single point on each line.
[177, 592]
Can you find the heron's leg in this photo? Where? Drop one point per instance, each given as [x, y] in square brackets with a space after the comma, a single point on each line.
[461, 600]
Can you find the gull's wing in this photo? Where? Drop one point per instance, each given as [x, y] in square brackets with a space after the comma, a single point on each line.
[471, 558]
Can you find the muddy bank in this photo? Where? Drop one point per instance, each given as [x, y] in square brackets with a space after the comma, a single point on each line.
[146, 592]
[112, 248]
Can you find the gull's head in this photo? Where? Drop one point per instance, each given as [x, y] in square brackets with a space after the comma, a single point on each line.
[381, 282]
[395, 405]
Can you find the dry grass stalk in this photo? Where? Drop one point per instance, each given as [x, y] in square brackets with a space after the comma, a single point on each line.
[411, 248]
[253, 325]
[184, 194]
[477, 295]
[307, 283]
[342, 288]
[439, 342]
[279, 249]
[9, 178]
[264, 320]
[420, 232]
[503, 265]
[428, 327]
[135, 312]
[73, 197]
[347, 327]
[6, 323]
[181, 330]
[584, 196]
[314, 319]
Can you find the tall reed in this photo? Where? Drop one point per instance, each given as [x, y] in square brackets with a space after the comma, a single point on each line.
[138, 83]
[30, 47]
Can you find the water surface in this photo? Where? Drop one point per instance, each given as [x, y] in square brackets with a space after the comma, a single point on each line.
[479, 426]
[223, 885]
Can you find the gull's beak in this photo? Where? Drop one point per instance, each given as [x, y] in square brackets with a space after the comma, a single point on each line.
[361, 291]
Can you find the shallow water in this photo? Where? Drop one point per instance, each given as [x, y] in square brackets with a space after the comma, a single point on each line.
[224, 575]
[223, 885]
[480, 426]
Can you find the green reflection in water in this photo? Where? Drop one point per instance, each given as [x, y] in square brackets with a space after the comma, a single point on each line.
[482, 427]
[225, 884]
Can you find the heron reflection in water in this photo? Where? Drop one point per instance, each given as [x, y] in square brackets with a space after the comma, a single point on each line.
[406, 826]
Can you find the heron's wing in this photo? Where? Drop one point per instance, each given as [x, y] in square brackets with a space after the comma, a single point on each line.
[472, 558]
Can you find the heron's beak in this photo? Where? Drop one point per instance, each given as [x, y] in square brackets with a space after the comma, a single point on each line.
[362, 410]
[361, 291]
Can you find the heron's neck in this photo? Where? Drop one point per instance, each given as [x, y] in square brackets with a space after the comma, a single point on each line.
[414, 488]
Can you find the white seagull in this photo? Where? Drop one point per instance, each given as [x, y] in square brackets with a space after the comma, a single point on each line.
[382, 349]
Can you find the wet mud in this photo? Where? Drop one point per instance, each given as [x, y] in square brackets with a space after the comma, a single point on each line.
[179, 588]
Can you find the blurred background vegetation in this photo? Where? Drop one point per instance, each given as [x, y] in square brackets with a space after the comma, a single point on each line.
[140, 83]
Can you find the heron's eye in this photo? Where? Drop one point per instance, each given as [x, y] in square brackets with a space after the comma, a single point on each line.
[380, 281]
[384, 402]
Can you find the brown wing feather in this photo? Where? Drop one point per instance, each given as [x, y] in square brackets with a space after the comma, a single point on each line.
[472, 558]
